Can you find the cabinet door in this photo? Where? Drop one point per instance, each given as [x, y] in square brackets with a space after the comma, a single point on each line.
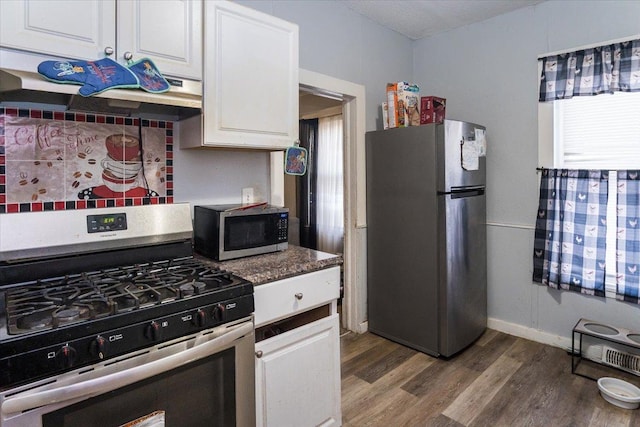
[298, 377]
[64, 28]
[168, 31]
[251, 84]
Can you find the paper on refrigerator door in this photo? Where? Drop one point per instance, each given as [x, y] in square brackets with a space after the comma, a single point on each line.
[481, 142]
[470, 155]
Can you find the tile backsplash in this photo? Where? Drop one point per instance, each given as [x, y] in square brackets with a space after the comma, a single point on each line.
[56, 160]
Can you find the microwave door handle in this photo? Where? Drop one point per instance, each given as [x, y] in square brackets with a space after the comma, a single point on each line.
[97, 386]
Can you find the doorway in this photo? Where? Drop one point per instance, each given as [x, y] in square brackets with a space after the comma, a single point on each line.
[353, 112]
[315, 199]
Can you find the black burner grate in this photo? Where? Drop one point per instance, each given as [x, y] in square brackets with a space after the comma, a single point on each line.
[50, 303]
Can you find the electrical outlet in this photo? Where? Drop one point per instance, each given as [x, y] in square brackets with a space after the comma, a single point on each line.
[247, 195]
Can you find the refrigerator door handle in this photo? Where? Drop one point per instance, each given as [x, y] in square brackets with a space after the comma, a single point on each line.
[471, 191]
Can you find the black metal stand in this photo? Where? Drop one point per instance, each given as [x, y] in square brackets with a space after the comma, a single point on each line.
[602, 332]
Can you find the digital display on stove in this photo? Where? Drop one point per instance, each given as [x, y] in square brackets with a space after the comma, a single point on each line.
[106, 222]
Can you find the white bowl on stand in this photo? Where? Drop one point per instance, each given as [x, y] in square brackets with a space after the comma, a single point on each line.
[619, 392]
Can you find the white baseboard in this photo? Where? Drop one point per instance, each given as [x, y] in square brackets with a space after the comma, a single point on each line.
[593, 352]
[363, 327]
[512, 329]
[529, 333]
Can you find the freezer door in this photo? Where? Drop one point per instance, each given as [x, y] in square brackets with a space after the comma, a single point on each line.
[451, 174]
[463, 270]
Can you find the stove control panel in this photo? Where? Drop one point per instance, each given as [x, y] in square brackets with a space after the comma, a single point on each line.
[106, 222]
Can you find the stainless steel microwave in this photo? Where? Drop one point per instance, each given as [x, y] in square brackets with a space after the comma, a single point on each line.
[225, 232]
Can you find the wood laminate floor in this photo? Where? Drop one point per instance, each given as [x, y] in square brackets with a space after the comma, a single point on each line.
[501, 380]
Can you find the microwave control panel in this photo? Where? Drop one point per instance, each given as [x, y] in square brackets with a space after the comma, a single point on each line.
[283, 227]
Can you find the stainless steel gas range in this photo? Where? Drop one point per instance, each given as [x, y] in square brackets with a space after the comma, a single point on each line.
[106, 317]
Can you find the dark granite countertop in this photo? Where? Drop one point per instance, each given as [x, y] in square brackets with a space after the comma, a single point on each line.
[266, 268]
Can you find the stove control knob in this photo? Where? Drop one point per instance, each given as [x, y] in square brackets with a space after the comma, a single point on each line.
[153, 331]
[219, 312]
[200, 318]
[98, 347]
[66, 356]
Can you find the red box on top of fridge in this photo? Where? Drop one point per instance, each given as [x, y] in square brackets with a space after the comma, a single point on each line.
[432, 109]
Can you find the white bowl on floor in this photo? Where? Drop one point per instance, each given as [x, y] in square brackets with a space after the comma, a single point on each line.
[619, 392]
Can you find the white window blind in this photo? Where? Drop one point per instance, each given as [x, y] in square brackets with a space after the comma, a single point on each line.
[599, 132]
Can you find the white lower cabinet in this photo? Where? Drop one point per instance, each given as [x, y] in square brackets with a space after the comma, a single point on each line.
[298, 376]
[298, 351]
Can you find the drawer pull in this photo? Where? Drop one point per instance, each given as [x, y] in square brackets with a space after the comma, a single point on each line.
[259, 354]
[299, 296]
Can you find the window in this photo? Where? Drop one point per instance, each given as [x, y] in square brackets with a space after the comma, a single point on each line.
[594, 132]
[597, 132]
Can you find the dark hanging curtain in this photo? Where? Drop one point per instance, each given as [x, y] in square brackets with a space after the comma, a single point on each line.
[603, 69]
[628, 236]
[571, 229]
[307, 185]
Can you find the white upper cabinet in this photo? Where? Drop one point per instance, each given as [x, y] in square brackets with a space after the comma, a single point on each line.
[250, 96]
[169, 31]
[64, 28]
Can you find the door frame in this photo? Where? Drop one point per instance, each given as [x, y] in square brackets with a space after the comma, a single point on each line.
[353, 113]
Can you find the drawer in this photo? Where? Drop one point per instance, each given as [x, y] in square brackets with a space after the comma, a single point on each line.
[287, 297]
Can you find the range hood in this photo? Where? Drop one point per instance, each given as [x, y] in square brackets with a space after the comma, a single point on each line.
[23, 89]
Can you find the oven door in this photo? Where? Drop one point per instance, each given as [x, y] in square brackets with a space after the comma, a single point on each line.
[206, 379]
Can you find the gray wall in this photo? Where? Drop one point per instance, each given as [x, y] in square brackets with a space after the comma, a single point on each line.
[207, 176]
[340, 43]
[488, 73]
[334, 41]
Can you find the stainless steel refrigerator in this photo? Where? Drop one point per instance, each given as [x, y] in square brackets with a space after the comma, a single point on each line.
[426, 235]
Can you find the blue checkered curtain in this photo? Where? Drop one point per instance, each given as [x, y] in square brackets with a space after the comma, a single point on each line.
[570, 237]
[603, 69]
[628, 236]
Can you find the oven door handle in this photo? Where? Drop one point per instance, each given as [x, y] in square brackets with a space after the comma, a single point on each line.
[97, 386]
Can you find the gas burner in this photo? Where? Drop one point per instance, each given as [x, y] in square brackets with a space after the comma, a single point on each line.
[35, 320]
[56, 302]
[65, 315]
[191, 288]
[127, 301]
[134, 296]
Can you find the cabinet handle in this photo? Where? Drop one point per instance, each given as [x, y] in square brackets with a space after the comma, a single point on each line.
[299, 296]
[128, 56]
[259, 354]
[108, 51]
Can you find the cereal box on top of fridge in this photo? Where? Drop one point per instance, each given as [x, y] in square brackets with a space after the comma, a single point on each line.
[385, 115]
[432, 109]
[409, 104]
[400, 103]
[392, 102]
